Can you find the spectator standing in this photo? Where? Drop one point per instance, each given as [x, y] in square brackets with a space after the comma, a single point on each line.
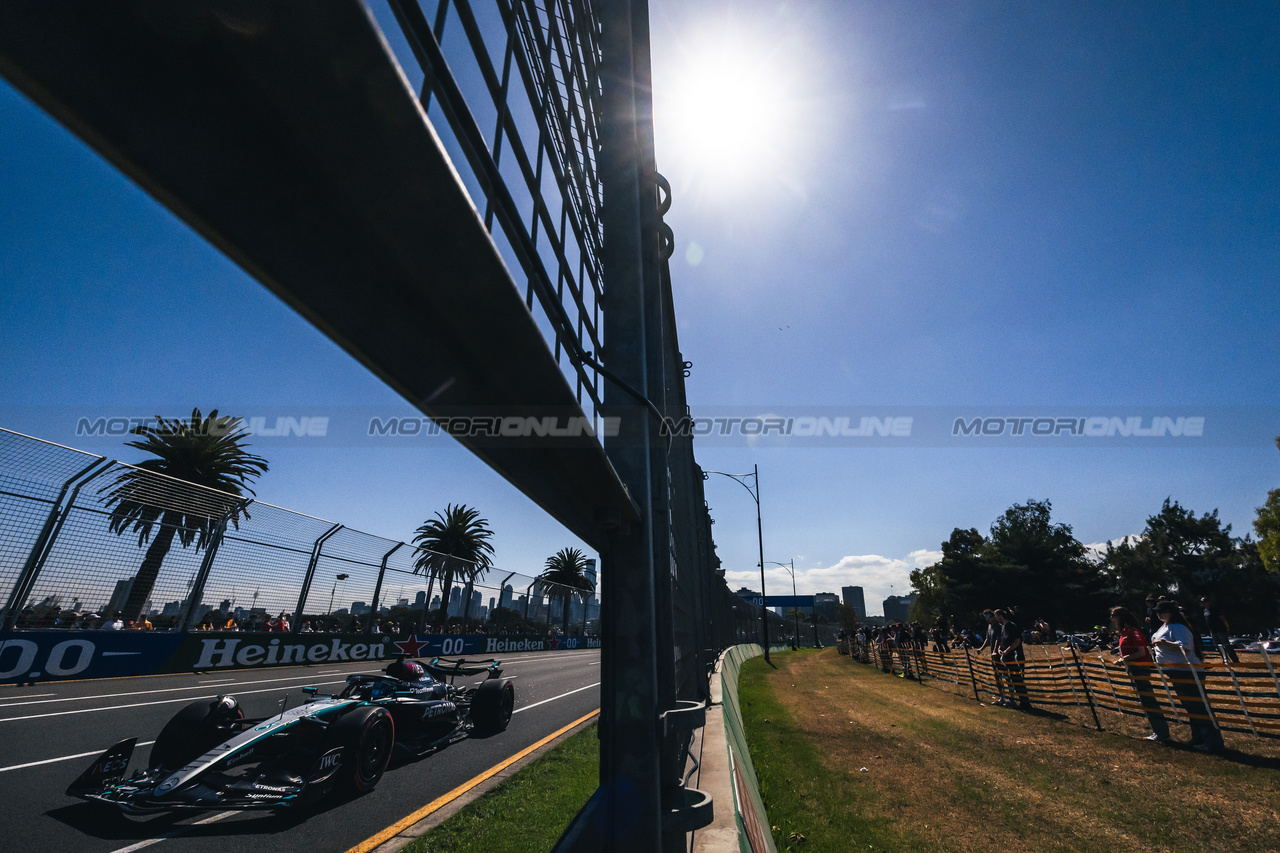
[1152, 623]
[1012, 659]
[1219, 628]
[1135, 656]
[116, 624]
[1174, 648]
[989, 645]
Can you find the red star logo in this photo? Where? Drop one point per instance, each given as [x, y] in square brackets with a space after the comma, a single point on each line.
[553, 643]
[411, 647]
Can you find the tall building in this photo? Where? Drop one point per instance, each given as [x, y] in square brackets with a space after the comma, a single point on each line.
[827, 604]
[897, 608]
[505, 600]
[590, 572]
[853, 597]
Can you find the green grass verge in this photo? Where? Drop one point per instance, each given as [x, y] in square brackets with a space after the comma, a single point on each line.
[803, 798]
[852, 759]
[527, 812]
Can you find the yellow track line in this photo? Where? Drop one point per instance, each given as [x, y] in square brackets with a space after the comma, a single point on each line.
[440, 802]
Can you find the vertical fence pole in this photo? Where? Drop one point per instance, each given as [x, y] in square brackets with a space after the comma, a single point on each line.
[1084, 685]
[1266, 657]
[1106, 673]
[377, 588]
[1240, 695]
[1075, 697]
[48, 534]
[973, 679]
[1166, 681]
[188, 615]
[310, 576]
[1204, 697]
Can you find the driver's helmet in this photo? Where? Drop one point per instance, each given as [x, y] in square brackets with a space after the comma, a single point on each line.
[406, 670]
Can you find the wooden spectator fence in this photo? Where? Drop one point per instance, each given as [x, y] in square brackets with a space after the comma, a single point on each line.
[1240, 697]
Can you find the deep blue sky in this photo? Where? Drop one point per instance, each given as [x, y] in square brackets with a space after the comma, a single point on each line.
[1051, 204]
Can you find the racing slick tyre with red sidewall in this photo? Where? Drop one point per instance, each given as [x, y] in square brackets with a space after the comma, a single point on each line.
[366, 736]
[492, 706]
[195, 730]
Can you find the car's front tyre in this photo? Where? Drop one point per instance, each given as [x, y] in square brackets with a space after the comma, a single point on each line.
[366, 736]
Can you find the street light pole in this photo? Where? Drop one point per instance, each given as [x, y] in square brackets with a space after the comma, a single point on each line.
[795, 610]
[332, 592]
[755, 496]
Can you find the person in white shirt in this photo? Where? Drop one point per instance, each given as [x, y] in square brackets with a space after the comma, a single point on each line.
[116, 624]
[1174, 649]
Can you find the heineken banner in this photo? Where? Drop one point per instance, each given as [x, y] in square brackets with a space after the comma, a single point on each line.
[34, 656]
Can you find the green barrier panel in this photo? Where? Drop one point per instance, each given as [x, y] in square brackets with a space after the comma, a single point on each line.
[753, 822]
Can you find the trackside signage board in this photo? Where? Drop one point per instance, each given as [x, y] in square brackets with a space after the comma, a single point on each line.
[27, 656]
[33, 656]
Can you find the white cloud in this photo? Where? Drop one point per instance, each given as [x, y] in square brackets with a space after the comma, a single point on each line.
[1098, 550]
[924, 557]
[878, 576]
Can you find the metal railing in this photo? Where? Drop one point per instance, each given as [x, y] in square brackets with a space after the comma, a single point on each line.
[61, 566]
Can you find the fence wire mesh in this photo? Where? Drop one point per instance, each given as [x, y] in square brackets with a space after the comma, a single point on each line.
[64, 565]
[513, 90]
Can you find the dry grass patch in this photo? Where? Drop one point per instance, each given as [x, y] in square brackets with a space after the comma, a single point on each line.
[952, 774]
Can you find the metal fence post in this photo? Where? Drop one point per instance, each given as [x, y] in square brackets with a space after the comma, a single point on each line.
[377, 588]
[1240, 694]
[1084, 685]
[206, 566]
[296, 626]
[48, 534]
[973, 679]
[1204, 697]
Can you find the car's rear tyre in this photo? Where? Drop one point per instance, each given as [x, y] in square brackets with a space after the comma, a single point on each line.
[193, 731]
[366, 736]
[492, 706]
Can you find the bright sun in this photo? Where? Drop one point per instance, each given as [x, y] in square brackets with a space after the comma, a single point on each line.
[725, 113]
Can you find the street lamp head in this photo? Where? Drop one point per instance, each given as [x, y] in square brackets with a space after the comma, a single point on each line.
[343, 577]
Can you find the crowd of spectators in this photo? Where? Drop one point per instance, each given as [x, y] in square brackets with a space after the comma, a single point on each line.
[1162, 640]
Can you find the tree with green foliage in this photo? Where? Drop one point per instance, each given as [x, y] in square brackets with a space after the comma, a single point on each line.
[455, 544]
[1267, 526]
[850, 618]
[1041, 567]
[1186, 556]
[207, 451]
[567, 578]
[1028, 561]
[959, 584]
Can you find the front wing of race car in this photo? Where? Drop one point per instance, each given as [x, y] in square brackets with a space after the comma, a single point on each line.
[229, 776]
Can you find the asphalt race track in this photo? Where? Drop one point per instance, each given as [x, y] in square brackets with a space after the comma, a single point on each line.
[44, 726]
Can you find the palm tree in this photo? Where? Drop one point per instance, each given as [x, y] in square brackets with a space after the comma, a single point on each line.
[208, 451]
[566, 575]
[455, 544]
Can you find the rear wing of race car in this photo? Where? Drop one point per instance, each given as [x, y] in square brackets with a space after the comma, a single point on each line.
[445, 668]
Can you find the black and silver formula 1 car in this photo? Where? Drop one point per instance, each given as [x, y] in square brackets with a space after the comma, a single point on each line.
[209, 756]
